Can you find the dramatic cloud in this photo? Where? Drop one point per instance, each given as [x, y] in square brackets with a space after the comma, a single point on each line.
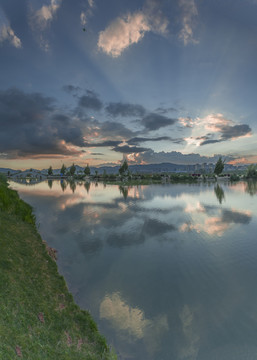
[125, 110]
[31, 127]
[154, 121]
[229, 133]
[7, 33]
[213, 122]
[90, 101]
[131, 28]
[152, 157]
[232, 132]
[214, 128]
[189, 13]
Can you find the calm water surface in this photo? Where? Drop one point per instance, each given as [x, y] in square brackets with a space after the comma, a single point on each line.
[168, 272]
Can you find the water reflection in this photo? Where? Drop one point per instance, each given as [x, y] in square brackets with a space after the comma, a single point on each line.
[124, 191]
[219, 192]
[87, 186]
[50, 184]
[73, 186]
[168, 271]
[251, 187]
[131, 324]
[63, 184]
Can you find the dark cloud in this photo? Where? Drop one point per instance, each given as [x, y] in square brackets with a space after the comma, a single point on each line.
[63, 119]
[154, 121]
[138, 140]
[97, 154]
[163, 111]
[129, 149]
[30, 126]
[90, 101]
[70, 89]
[125, 109]
[113, 129]
[103, 143]
[206, 142]
[229, 132]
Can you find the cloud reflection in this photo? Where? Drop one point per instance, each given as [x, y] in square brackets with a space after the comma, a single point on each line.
[131, 323]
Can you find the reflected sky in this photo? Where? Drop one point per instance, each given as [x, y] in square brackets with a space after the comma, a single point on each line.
[167, 271]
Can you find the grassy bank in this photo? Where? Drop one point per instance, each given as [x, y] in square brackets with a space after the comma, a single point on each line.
[38, 317]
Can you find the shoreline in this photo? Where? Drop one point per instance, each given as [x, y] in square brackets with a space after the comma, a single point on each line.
[39, 318]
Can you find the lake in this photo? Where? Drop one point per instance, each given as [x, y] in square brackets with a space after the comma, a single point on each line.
[168, 272]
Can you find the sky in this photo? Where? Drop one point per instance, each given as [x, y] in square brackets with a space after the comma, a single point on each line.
[95, 82]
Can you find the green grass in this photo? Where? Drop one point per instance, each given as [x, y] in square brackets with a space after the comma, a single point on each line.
[38, 317]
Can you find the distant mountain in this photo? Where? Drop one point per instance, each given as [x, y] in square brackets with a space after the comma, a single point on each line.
[11, 171]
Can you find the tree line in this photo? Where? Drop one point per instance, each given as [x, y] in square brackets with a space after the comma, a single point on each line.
[124, 170]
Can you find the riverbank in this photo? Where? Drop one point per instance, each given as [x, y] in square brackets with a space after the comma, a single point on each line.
[38, 316]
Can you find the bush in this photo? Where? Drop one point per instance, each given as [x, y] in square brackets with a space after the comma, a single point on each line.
[11, 203]
[234, 177]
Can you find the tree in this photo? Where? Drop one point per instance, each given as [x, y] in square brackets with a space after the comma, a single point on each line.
[87, 170]
[72, 169]
[124, 167]
[50, 171]
[63, 169]
[219, 166]
[251, 171]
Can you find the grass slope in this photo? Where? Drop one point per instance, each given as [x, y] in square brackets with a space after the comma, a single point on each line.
[38, 317]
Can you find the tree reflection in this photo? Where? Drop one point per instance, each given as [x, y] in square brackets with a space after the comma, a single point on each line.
[50, 184]
[87, 186]
[251, 187]
[73, 186]
[219, 192]
[124, 191]
[63, 185]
